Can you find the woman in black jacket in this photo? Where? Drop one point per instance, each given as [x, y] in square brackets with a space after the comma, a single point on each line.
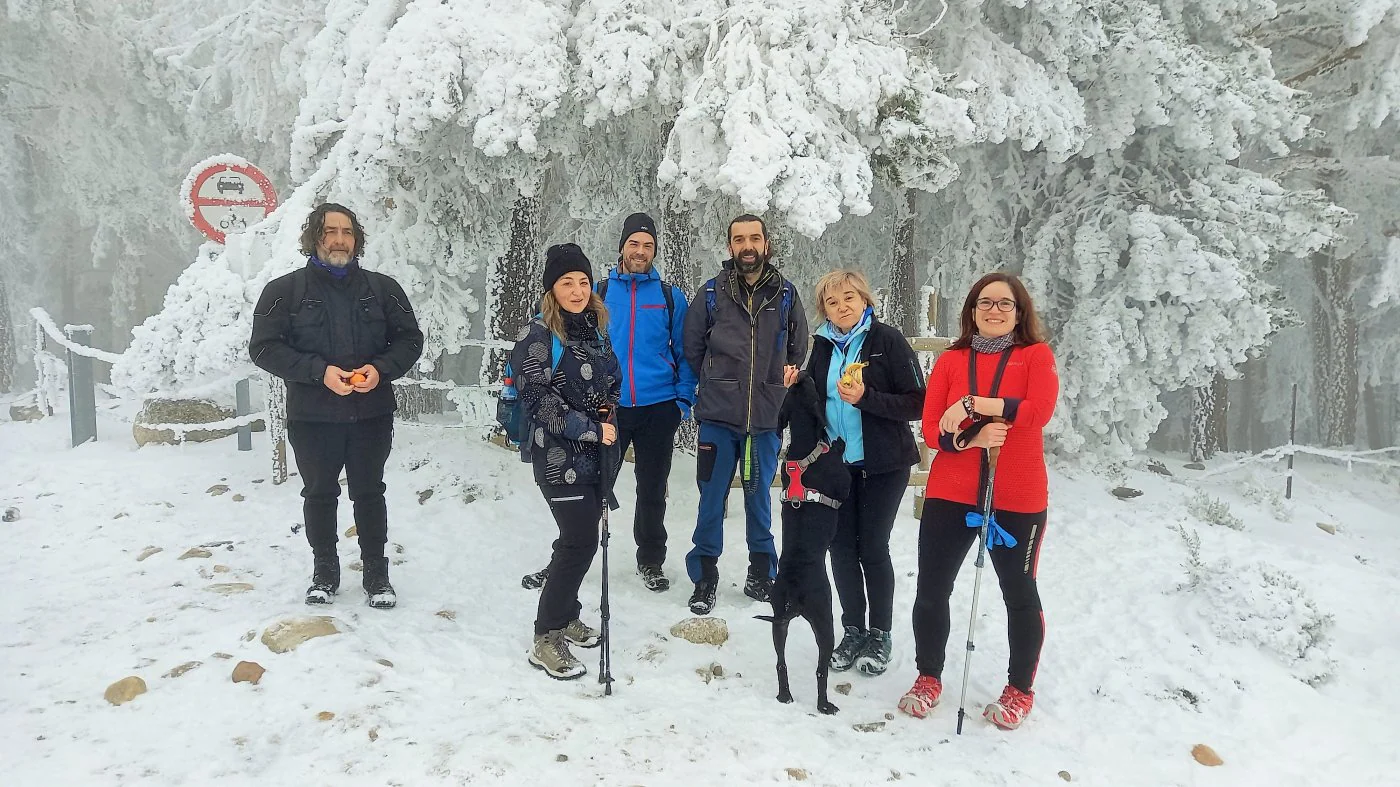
[870, 409]
[569, 382]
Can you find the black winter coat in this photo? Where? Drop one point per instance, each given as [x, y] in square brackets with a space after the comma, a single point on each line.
[894, 395]
[565, 433]
[342, 322]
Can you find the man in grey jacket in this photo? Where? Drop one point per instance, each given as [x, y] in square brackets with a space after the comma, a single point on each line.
[745, 336]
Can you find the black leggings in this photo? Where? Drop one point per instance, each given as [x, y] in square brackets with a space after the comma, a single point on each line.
[944, 539]
[577, 509]
[860, 552]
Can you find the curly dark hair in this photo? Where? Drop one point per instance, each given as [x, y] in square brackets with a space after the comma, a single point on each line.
[316, 224]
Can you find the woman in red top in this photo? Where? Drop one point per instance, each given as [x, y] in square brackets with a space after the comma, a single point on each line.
[999, 368]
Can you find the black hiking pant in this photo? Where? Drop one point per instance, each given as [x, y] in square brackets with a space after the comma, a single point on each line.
[361, 448]
[944, 540]
[860, 551]
[651, 432]
[577, 509]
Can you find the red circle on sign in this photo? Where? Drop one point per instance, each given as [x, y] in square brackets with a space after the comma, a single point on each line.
[266, 200]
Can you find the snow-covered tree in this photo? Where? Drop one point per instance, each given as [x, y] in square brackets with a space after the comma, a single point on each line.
[1109, 179]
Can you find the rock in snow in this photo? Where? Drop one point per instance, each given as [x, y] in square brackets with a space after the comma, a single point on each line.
[702, 631]
[286, 635]
[125, 690]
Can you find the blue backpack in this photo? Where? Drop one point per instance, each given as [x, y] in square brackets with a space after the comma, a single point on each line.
[509, 414]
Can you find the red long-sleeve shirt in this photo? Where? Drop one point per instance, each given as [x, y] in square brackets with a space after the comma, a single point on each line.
[1030, 385]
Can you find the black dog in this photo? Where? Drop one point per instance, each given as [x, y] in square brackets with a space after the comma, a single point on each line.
[815, 482]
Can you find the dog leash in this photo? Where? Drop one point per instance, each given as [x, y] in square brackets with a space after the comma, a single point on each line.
[797, 492]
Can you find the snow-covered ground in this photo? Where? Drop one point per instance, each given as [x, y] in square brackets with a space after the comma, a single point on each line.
[1274, 644]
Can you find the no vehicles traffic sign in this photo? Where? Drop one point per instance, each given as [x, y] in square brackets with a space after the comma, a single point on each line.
[225, 195]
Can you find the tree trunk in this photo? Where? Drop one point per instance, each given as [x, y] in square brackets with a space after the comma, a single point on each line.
[515, 283]
[901, 300]
[1220, 424]
[1202, 433]
[8, 356]
[677, 251]
[1379, 401]
[1334, 338]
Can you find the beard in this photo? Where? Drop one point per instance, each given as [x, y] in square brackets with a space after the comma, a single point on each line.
[750, 261]
[337, 258]
[636, 264]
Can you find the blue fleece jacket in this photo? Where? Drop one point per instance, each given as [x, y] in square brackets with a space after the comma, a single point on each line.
[844, 420]
[654, 368]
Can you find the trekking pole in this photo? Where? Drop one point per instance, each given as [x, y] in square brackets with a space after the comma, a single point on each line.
[982, 532]
[605, 612]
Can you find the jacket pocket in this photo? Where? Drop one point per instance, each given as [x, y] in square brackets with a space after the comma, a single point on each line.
[721, 399]
[704, 462]
[374, 329]
[308, 330]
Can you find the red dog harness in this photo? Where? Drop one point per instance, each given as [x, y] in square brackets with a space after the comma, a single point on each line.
[798, 493]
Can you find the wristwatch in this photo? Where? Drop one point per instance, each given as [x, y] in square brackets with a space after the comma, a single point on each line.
[967, 405]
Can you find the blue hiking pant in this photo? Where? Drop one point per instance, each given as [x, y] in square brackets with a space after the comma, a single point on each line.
[720, 451]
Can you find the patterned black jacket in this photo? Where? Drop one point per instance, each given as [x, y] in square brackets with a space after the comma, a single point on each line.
[565, 434]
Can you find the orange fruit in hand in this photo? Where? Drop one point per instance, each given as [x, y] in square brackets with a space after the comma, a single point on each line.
[357, 378]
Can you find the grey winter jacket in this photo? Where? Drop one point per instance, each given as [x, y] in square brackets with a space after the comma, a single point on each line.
[738, 351]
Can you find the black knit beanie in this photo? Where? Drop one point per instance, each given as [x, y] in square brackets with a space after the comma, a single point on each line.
[563, 258]
[637, 222]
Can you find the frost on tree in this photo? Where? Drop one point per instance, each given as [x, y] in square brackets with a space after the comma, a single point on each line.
[1344, 55]
[1110, 179]
[790, 100]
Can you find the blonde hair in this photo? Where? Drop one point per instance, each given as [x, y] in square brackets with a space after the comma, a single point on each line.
[837, 280]
[552, 314]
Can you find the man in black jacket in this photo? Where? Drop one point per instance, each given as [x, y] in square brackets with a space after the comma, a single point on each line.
[745, 336]
[338, 334]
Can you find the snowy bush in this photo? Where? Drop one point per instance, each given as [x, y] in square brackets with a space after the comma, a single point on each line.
[1213, 511]
[1260, 605]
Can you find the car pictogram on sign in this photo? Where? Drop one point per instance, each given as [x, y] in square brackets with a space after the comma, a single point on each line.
[225, 195]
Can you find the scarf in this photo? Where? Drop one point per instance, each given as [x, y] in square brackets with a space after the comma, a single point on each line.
[1000, 344]
[338, 272]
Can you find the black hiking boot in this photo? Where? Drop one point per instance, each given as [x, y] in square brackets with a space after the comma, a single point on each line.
[654, 578]
[536, 580]
[758, 586]
[378, 592]
[325, 580]
[702, 601]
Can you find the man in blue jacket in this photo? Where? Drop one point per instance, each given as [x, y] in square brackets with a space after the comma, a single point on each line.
[745, 338]
[645, 322]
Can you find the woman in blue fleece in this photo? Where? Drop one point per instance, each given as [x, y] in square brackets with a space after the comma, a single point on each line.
[871, 413]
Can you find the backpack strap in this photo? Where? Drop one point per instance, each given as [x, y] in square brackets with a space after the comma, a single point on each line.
[603, 288]
[298, 291]
[784, 313]
[666, 292]
[709, 306]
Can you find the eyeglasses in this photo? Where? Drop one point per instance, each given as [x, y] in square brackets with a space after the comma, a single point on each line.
[1003, 305]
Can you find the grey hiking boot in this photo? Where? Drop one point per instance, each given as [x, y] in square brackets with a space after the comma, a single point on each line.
[583, 635]
[654, 578]
[844, 657]
[874, 658]
[551, 654]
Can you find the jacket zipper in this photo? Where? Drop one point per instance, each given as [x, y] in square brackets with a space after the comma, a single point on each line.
[631, 345]
[753, 347]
